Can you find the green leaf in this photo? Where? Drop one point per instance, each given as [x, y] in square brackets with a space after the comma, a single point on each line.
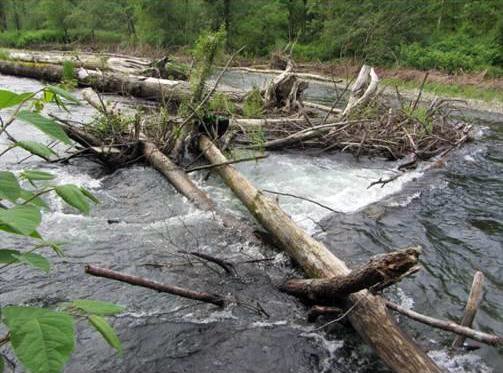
[36, 148]
[46, 125]
[35, 260]
[43, 340]
[22, 219]
[37, 175]
[72, 195]
[104, 328]
[8, 98]
[97, 307]
[27, 195]
[89, 195]
[2, 364]
[7, 256]
[63, 93]
[9, 186]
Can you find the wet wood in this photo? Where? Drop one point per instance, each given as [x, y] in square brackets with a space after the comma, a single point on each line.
[380, 271]
[369, 315]
[176, 176]
[449, 326]
[472, 306]
[317, 311]
[201, 296]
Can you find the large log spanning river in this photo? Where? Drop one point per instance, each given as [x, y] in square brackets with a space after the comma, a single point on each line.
[455, 212]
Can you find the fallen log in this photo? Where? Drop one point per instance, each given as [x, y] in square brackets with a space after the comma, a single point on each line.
[176, 176]
[162, 68]
[303, 76]
[380, 271]
[158, 160]
[369, 316]
[472, 305]
[449, 326]
[201, 296]
[163, 90]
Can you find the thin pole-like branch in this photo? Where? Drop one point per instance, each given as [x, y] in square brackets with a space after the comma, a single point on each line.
[164, 288]
[449, 326]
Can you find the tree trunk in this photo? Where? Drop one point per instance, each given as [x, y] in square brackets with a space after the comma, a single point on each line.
[369, 315]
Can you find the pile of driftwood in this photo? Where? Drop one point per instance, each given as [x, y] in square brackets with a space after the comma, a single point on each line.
[164, 139]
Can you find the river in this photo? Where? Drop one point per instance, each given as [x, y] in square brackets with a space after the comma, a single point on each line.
[454, 212]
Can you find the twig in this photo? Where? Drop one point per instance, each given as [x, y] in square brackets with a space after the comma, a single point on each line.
[228, 267]
[302, 198]
[139, 281]
[420, 91]
[232, 161]
[383, 182]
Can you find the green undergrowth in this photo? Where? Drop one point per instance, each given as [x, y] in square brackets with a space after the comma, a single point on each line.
[450, 90]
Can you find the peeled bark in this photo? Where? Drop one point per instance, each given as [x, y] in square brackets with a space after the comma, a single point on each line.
[363, 89]
[369, 315]
[378, 272]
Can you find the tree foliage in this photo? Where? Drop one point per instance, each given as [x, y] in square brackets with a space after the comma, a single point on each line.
[42, 339]
[447, 34]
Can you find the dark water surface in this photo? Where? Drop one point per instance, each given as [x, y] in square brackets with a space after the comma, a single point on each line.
[455, 213]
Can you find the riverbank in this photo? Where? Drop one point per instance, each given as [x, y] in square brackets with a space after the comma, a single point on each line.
[477, 90]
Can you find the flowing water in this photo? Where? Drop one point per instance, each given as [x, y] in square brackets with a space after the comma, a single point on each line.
[455, 213]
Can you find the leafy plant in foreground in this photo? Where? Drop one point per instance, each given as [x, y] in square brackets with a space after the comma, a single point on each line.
[42, 339]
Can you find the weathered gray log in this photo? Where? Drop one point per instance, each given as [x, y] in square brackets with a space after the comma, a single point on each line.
[105, 62]
[472, 305]
[380, 270]
[369, 316]
[163, 90]
[447, 325]
[363, 89]
[303, 135]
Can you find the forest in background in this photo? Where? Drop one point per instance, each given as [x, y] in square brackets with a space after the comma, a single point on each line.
[449, 35]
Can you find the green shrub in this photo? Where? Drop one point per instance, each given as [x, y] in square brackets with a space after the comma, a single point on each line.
[253, 106]
[456, 52]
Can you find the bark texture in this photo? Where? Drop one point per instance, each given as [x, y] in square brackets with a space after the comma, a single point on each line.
[369, 315]
[380, 271]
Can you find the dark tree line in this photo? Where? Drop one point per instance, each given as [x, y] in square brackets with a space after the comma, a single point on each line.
[447, 34]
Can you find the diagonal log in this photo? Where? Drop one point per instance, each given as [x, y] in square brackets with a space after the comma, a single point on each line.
[369, 316]
[379, 271]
